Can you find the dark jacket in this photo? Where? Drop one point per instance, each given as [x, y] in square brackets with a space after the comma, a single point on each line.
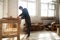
[25, 15]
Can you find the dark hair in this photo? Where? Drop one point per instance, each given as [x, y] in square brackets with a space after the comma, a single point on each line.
[20, 7]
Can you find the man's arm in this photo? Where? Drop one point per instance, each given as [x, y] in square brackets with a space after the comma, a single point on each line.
[21, 14]
[22, 17]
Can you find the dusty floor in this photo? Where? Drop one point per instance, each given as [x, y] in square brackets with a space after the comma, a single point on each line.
[39, 35]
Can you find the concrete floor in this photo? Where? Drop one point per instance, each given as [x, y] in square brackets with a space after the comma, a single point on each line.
[40, 35]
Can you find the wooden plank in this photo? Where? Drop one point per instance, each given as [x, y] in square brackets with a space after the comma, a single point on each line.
[0, 30]
[18, 36]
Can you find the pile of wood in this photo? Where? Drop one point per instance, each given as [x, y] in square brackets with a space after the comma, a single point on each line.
[35, 27]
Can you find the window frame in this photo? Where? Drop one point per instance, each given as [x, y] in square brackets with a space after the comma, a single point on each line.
[27, 2]
[49, 9]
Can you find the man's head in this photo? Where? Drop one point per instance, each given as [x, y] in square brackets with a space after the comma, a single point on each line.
[20, 7]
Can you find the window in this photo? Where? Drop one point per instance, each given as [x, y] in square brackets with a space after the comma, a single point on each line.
[29, 4]
[47, 8]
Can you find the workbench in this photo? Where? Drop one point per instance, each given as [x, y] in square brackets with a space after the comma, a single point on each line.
[13, 28]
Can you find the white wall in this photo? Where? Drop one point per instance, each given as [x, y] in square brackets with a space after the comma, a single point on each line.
[1, 9]
[5, 8]
[10, 8]
[59, 13]
[13, 8]
[36, 19]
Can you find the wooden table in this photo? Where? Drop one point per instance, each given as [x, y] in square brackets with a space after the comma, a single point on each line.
[10, 33]
[58, 29]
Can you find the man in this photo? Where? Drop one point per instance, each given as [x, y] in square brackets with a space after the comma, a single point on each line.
[25, 15]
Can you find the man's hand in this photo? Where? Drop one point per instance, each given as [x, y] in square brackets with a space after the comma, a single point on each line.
[19, 17]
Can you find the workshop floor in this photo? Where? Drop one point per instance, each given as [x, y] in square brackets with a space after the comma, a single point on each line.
[39, 35]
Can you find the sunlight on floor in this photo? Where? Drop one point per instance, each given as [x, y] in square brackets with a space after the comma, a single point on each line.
[44, 35]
